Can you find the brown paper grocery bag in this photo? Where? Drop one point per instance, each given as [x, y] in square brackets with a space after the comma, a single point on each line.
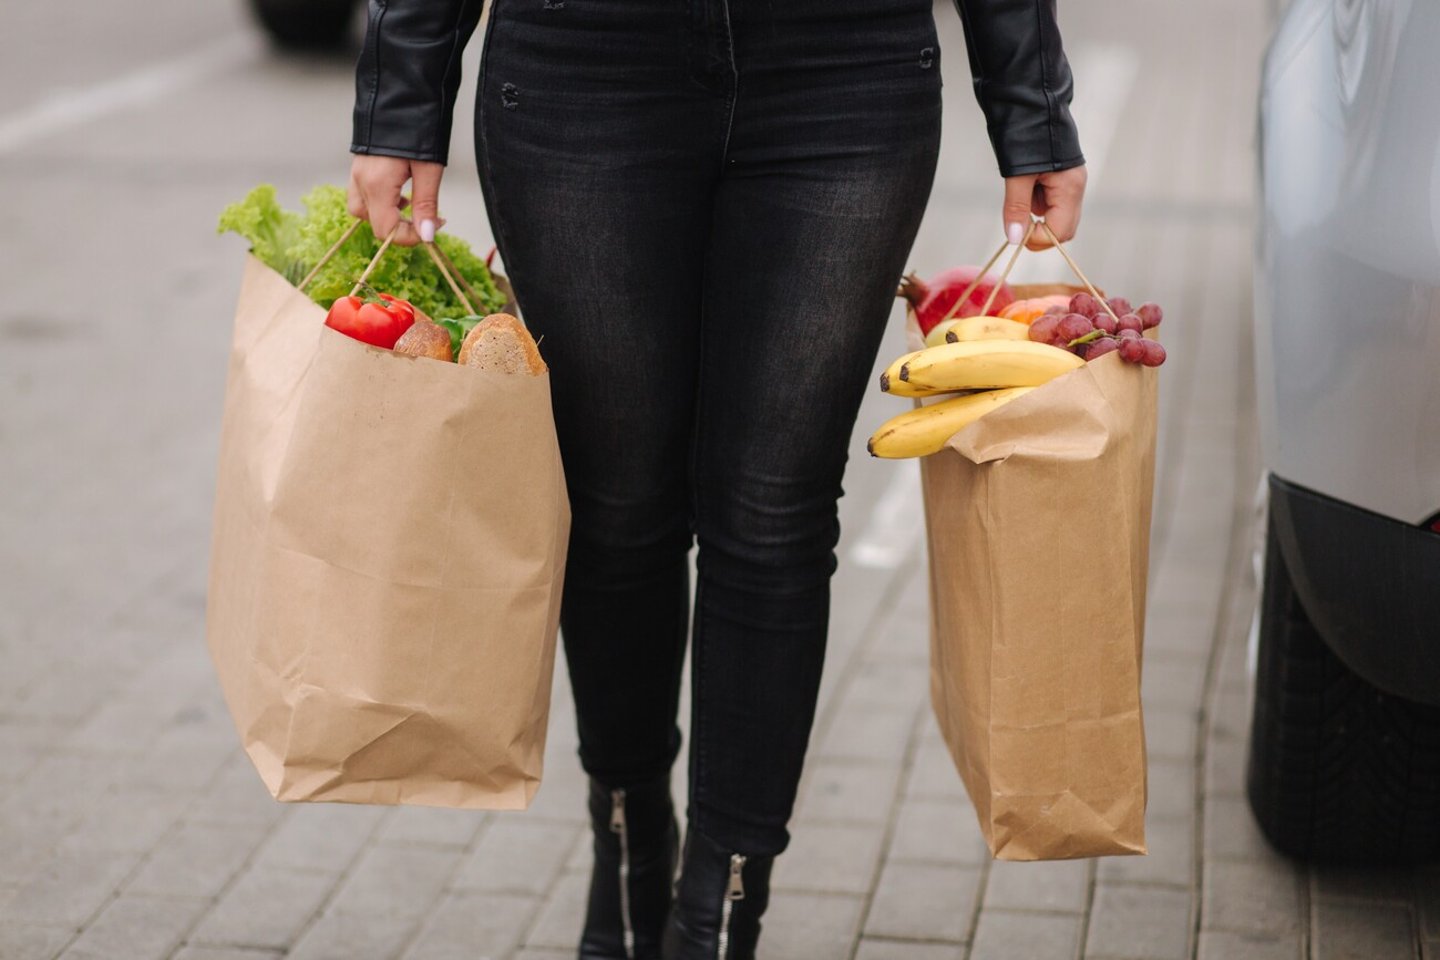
[1038, 528]
[389, 547]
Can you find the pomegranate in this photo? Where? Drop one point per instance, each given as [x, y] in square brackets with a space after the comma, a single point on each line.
[933, 299]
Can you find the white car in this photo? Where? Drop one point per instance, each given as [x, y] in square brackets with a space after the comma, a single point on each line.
[1345, 745]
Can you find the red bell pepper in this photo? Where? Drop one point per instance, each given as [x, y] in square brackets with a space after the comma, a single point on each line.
[379, 322]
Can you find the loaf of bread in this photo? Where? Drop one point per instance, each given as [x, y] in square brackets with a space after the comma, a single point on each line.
[500, 342]
[425, 339]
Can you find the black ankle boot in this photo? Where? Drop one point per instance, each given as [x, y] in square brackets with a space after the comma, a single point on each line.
[636, 845]
[718, 903]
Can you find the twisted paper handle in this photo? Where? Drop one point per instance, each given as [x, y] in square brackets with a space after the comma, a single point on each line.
[1010, 265]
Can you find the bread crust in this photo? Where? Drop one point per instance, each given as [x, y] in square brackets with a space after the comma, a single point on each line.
[501, 342]
[425, 339]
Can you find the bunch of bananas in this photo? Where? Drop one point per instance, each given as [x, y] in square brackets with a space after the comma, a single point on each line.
[988, 372]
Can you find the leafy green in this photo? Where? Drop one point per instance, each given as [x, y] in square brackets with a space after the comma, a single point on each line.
[458, 329]
[272, 231]
[293, 243]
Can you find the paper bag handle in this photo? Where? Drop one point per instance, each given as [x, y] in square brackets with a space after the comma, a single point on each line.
[349, 232]
[985, 271]
[1010, 265]
[370, 267]
[1004, 274]
[438, 251]
[442, 263]
[974, 283]
[1076, 268]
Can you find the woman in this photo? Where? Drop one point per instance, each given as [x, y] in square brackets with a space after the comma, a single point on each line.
[704, 207]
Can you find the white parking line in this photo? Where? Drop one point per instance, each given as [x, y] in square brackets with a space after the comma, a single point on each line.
[896, 523]
[74, 108]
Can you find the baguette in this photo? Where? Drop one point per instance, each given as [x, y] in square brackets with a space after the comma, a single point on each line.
[500, 342]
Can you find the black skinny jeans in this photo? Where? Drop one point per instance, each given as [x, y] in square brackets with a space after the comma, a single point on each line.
[705, 207]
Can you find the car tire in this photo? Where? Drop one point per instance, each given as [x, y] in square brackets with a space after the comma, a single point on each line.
[306, 24]
[1339, 771]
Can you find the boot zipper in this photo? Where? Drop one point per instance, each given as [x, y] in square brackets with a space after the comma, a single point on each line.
[735, 890]
[617, 826]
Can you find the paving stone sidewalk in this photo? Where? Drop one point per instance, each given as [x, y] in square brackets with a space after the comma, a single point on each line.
[131, 828]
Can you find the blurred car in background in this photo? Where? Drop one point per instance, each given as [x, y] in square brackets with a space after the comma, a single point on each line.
[1345, 739]
[307, 24]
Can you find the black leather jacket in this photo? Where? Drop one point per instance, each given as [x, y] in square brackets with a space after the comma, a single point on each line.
[1022, 80]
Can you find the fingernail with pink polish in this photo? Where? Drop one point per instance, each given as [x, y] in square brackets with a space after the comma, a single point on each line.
[1015, 232]
[427, 231]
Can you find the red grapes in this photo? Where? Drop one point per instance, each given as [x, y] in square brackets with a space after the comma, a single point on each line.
[1132, 350]
[1084, 304]
[1043, 329]
[1118, 329]
[1101, 347]
[1073, 326]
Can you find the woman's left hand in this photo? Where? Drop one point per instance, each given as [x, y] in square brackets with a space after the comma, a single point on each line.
[1055, 196]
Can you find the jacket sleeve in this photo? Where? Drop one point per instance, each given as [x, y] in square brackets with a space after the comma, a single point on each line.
[408, 76]
[1022, 81]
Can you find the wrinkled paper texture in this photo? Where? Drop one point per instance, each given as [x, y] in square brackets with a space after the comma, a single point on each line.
[388, 552]
[1038, 528]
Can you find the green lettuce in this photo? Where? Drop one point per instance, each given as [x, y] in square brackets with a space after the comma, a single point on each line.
[292, 243]
[271, 230]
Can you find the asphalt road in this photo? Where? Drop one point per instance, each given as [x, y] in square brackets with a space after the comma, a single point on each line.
[129, 826]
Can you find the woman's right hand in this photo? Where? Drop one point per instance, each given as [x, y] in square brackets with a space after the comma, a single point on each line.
[376, 194]
[1055, 197]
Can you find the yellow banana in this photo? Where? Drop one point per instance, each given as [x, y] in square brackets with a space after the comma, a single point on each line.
[890, 379]
[924, 430]
[983, 328]
[936, 336]
[976, 328]
[899, 388]
[987, 364]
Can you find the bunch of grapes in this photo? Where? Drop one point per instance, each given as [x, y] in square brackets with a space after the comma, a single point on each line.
[1086, 328]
